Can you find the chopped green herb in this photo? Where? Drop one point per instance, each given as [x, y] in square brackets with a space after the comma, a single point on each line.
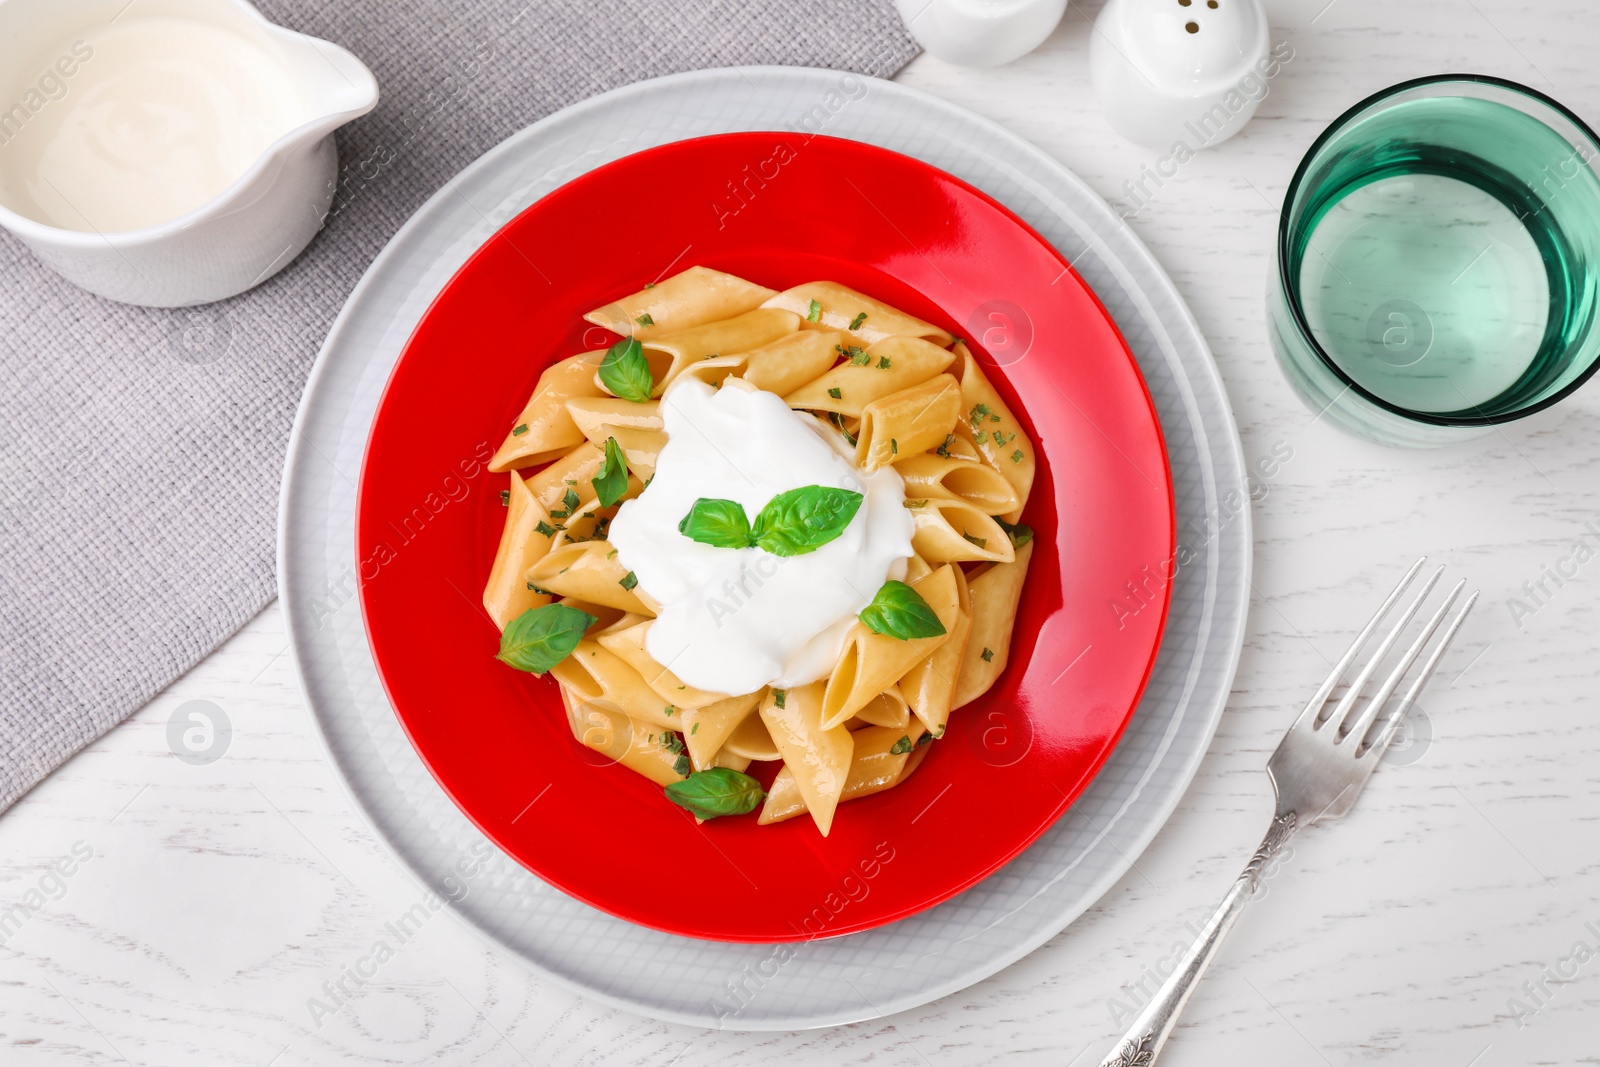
[894, 447]
[571, 500]
[716, 791]
[978, 413]
[1002, 439]
[836, 393]
[838, 423]
[505, 498]
[902, 746]
[645, 320]
[668, 711]
[560, 515]
[899, 611]
[1019, 534]
[883, 363]
[988, 654]
[695, 728]
[519, 429]
[1016, 457]
[649, 285]
[925, 738]
[981, 542]
[859, 358]
[545, 528]
[814, 313]
[612, 554]
[855, 323]
[628, 581]
[917, 503]
[672, 742]
[944, 449]
[540, 638]
[779, 697]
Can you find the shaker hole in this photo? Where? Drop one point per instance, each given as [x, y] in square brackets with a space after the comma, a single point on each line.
[1192, 27]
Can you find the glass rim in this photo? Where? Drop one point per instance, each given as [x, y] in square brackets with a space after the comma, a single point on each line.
[1291, 290]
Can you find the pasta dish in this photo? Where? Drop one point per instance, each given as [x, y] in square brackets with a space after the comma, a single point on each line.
[764, 537]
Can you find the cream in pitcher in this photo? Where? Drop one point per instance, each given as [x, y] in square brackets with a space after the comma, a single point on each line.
[168, 152]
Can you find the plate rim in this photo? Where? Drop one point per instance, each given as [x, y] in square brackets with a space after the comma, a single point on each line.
[1185, 322]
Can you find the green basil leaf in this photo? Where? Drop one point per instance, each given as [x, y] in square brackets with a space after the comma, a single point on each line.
[612, 481]
[715, 792]
[1019, 534]
[803, 520]
[718, 523]
[626, 372]
[540, 638]
[899, 611]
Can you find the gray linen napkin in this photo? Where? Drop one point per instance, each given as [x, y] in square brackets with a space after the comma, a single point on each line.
[140, 450]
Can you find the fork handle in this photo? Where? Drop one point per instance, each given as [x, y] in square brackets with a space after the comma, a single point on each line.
[1143, 1040]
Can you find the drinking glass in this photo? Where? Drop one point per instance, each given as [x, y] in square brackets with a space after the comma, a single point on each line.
[1438, 261]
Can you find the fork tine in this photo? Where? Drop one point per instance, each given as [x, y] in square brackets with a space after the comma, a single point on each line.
[1341, 711]
[1320, 697]
[1415, 690]
[1374, 706]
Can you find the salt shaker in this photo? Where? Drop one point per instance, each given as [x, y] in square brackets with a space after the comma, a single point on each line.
[981, 33]
[1190, 71]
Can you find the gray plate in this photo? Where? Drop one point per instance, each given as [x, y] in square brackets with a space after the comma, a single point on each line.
[863, 975]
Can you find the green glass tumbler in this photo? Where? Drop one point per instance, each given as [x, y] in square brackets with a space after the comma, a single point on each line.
[1438, 261]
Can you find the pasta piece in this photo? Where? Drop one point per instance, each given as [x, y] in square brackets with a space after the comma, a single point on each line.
[819, 758]
[916, 568]
[695, 296]
[544, 429]
[657, 755]
[730, 761]
[507, 594]
[706, 730]
[890, 366]
[839, 306]
[715, 369]
[629, 645]
[912, 420]
[872, 662]
[669, 354]
[604, 617]
[590, 413]
[957, 446]
[952, 531]
[974, 481]
[874, 767]
[888, 709]
[640, 446]
[994, 595]
[574, 471]
[996, 431]
[594, 673]
[789, 362]
[751, 739]
[929, 687]
[588, 570]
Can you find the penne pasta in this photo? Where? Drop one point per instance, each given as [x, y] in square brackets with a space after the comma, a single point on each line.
[508, 594]
[910, 421]
[706, 730]
[839, 306]
[587, 570]
[994, 595]
[544, 430]
[872, 662]
[953, 531]
[891, 365]
[973, 481]
[695, 296]
[874, 767]
[995, 431]
[669, 354]
[819, 758]
[889, 392]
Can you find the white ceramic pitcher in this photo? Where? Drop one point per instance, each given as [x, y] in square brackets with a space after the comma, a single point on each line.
[240, 237]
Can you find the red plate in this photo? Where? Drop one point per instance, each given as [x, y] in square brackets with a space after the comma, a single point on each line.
[779, 209]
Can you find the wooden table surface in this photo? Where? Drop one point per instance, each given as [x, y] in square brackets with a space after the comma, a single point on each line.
[1452, 920]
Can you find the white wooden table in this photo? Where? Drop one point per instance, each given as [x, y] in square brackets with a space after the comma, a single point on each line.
[1453, 920]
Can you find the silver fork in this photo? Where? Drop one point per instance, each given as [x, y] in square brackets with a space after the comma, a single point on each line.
[1317, 772]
